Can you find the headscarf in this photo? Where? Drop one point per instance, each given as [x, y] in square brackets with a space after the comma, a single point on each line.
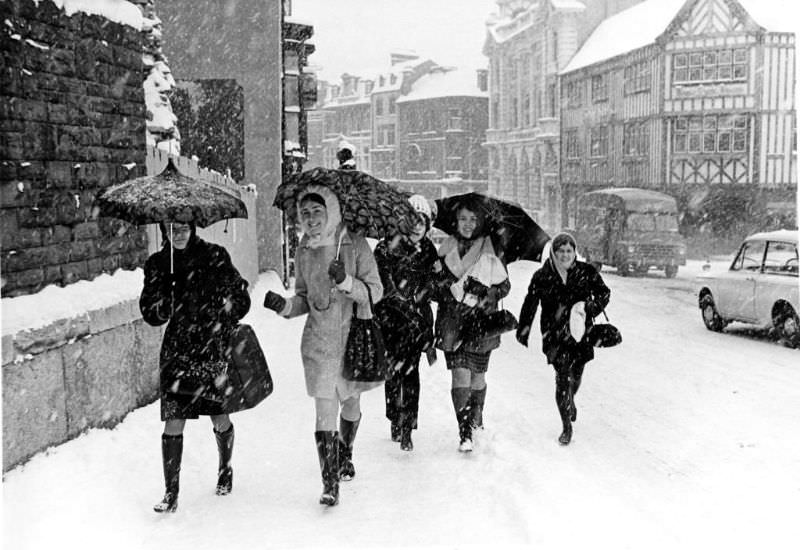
[558, 241]
[165, 235]
[328, 235]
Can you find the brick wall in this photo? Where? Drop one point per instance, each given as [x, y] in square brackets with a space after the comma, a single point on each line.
[72, 115]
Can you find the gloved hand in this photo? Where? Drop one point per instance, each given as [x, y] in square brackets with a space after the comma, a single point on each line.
[592, 309]
[523, 332]
[274, 301]
[336, 271]
[475, 287]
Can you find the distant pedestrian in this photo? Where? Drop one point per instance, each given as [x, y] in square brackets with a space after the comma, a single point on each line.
[334, 269]
[560, 284]
[346, 156]
[201, 296]
[473, 278]
[407, 264]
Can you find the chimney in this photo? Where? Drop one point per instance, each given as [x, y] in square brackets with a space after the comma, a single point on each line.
[483, 80]
[401, 57]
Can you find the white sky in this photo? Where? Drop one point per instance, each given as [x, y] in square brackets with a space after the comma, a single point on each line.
[356, 36]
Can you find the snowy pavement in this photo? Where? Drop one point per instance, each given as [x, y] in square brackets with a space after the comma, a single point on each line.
[685, 439]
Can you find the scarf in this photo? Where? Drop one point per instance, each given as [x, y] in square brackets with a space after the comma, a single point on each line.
[562, 272]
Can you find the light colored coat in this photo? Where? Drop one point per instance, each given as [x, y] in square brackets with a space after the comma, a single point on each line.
[330, 311]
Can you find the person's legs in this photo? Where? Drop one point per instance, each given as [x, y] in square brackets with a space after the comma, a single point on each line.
[223, 433]
[564, 398]
[171, 456]
[577, 375]
[409, 402]
[477, 398]
[392, 389]
[460, 391]
[348, 427]
[327, 440]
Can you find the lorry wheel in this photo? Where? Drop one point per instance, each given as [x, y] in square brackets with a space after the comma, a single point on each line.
[670, 271]
[711, 318]
[623, 269]
[787, 324]
[642, 270]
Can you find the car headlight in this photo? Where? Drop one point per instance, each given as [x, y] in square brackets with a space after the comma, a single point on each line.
[682, 250]
[631, 248]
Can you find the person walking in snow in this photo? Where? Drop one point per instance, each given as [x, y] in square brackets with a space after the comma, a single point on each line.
[201, 296]
[560, 284]
[407, 264]
[346, 156]
[334, 268]
[473, 278]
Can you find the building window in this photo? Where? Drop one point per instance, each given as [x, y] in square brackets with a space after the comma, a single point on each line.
[599, 88]
[598, 141]
[710, 134]
[454, 121]
[637, 78]
[572, 147]
[526, 110]
[381, 81]
[636, 139]
[378, 106]
[574, 94]
[495, 113]
[728, 65]
[514, 112]
[392, 79]
[392, 106]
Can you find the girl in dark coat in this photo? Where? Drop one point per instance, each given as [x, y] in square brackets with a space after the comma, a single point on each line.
[407, 265]
[558, 285]
[201, 296]
[472, 277]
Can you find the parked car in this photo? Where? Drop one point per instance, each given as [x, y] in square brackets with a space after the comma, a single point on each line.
[760, 287]
[630, 229]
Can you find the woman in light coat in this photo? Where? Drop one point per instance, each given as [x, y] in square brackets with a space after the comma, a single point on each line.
[334, 269]
[472, 277]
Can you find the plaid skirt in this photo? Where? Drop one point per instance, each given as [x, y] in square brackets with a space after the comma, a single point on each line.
[186, 407]
[474, 362]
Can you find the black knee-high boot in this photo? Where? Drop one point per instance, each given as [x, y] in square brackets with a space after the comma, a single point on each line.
[347, 434]
[564, 402]
[171, 455]
[225, 470]
[577, 374]
[462, 407]
[477, 398]
[328, 452]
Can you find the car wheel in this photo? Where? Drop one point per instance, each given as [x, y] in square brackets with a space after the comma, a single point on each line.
[711, 318]
[670, 271]
[642, 270]
[788, 326]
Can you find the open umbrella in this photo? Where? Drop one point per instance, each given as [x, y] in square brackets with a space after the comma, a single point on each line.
[170, 196]
[515, 235]
[369, 206]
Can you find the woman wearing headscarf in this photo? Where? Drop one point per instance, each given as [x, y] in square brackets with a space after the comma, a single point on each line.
[192, 286]
[334, 269]
[407, 263]
[473, 277]
[560, 286]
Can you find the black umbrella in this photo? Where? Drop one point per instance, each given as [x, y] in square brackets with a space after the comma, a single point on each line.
[170, 197]
[515, 235]
[369, 206]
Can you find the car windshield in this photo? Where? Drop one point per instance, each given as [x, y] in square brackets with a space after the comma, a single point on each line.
[652, 222]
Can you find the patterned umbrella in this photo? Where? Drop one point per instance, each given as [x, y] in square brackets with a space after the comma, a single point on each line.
[369, 206]
[514, 233]
[170, 197]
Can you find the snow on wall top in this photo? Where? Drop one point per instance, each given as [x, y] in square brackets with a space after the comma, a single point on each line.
[457, 82]
[120, 11]
[626, 31]
[773, 15]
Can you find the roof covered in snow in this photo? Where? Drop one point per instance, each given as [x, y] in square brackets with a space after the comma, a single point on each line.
[445, 83]
[626, 31]
[120, 11]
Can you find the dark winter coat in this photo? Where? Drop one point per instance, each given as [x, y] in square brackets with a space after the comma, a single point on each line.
[585, 284]
[406, 272]
[450, 312]
[209, 297]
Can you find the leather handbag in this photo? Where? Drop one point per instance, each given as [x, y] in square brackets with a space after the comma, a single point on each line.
[249, 381]
[365, 352]
[479, 325]
[603, 335]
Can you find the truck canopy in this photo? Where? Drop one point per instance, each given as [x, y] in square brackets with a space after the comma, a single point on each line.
[631, 199]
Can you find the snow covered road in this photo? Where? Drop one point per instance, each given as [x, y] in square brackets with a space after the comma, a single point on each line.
[685, 439]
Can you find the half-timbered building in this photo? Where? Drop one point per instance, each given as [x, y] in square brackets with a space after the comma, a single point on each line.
[700, 97]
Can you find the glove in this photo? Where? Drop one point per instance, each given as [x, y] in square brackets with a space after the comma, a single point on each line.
[475, 287]
[523, 332]
[592, 309]
[274, 301]
[336, 271]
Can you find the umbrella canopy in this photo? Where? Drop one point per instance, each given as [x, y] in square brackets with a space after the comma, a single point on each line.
[514, 233]
[369, 206]
[170, 197]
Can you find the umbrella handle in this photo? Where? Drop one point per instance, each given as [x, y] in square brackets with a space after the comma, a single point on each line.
[339, 245]
[171, 272]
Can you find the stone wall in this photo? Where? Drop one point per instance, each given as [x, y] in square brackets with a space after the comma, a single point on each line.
[72, 121]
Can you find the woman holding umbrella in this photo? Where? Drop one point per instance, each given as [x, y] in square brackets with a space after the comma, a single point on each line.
[334, 269]
[561, 285]
[474, 278]
[407, 263]
[192, 286]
